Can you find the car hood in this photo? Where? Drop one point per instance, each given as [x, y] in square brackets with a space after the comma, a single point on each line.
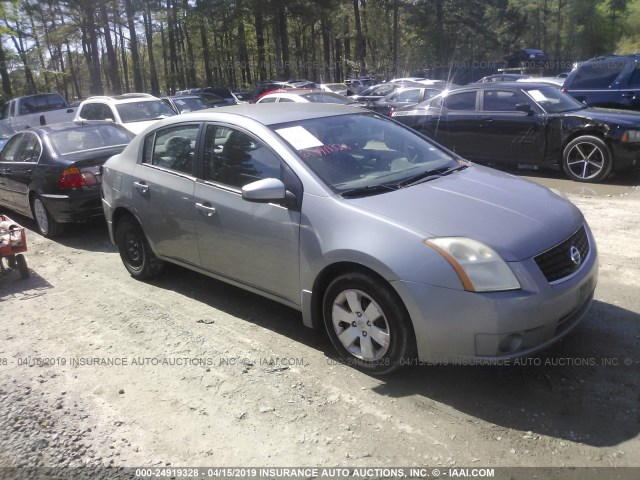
[515, 217]
[610, 115]
[137, 127]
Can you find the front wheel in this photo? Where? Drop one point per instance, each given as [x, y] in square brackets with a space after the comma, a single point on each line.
[21, 262]
[367, 324]
[47, 225]
[587, 159]
[134, 250]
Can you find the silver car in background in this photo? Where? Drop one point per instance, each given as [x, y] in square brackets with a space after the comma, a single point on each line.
[400, 249]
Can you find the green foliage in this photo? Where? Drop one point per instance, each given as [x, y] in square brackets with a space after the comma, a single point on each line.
[192, 40]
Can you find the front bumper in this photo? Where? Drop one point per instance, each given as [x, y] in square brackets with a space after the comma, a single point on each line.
[75, 207]
[453, 326]
[625, 155]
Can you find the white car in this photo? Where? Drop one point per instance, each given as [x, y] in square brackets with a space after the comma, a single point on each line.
[134, 111]
[304, 95]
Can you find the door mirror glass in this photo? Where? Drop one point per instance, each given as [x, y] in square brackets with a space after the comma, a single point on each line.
[523, 107]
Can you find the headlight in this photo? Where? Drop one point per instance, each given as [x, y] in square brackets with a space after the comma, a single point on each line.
[479, 267]
[631, 136]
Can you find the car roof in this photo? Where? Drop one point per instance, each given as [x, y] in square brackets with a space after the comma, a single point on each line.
[272, 113]
[120, 99]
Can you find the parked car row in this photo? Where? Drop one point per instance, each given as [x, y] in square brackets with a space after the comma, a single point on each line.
[284, 202]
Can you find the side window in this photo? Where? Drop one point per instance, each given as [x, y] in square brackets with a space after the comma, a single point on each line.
[460, 101]
[173, 148]
[235, 158]
[88, 111]
[10, 149]
[597, 75]
[268, 100]
[502, 101]
[30, 149]
[104, 112]
[410, 96]
[634, 80]
[5, 111]
[284, 100]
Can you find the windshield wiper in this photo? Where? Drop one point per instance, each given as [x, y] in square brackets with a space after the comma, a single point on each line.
[430, 175]
[368, 190]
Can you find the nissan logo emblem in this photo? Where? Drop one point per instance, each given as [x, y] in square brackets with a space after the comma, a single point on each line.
[575, 255]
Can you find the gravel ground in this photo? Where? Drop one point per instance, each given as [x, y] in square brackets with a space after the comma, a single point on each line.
[205, 374]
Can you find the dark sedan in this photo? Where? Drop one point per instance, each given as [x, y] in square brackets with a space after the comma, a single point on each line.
[371, 95]
[52, 173]
[405, 97]
[529, 124]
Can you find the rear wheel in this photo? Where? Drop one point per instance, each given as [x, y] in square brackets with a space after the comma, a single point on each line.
[134, 250]
[47, 226]
[367, 323]
[587, 159]
[22, 266]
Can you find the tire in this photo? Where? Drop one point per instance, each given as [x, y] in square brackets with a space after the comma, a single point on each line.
[134, 250]
[22, 266]
[47, 226]
[587, 159]
[11, 261]
[367, 324]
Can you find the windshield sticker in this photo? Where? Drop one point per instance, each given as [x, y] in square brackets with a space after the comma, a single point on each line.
[299, 137]
[537, 95]
[324, 150]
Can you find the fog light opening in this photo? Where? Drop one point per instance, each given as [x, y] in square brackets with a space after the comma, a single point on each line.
[510, 343]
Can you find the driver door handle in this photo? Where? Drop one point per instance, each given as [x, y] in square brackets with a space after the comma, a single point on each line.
[141, 186]
[206, 209]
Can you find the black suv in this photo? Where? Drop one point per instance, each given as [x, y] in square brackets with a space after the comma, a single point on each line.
[612, 82]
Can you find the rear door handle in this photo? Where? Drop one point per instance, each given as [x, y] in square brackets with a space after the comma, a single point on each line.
[629, 94]
[141, 186]
[6, 171]
[207, 209]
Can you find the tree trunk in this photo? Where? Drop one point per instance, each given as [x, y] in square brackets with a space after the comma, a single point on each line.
[284, 40]
[395, 41]
[208, 76]
[90, 43]
[259, 25]
[111, 66]
[133, 43]
[360, 46]
[242, 48]
[153, 73]
[4, 73]
[325, 26]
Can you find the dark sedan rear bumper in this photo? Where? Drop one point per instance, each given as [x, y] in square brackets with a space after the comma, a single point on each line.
[73, 208]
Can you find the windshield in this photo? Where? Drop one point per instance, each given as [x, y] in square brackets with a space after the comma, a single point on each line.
[189, 104]
[327, 97]
[89, 137]
[144, 111]
[5, 132]
[357, 151]
[553, 100]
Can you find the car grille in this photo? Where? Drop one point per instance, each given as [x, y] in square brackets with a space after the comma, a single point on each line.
[558, 263]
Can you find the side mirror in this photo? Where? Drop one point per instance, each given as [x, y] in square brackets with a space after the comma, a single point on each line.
[524, 107]
[267, 190]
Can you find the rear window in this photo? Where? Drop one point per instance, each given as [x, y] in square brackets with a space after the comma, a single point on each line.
[597, 75]
[89, 137]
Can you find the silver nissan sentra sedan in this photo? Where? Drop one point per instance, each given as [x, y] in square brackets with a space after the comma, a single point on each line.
[401, 249]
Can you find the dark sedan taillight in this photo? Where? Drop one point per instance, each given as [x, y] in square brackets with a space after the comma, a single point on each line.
[74, 178]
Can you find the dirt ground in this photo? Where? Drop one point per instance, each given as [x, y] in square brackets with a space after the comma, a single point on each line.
[100, 369]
